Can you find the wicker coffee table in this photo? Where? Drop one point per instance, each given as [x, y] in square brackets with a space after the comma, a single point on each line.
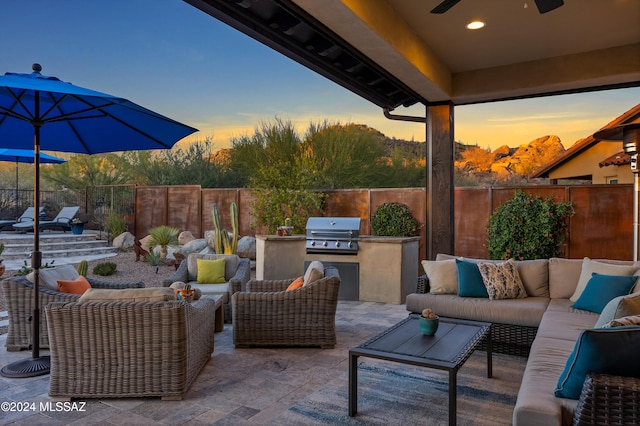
[447, 350]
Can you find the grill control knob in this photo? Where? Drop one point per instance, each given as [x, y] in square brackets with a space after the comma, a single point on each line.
[313, 243]
[337, 243]
[350, 244]
[325, 244]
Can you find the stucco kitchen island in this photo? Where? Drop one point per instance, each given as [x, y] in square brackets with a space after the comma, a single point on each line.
[386, 268]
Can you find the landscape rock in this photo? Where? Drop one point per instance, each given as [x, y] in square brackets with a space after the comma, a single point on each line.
[124, 241]
[247, 247]
[144, 242]
[185, 237]
[194, 246]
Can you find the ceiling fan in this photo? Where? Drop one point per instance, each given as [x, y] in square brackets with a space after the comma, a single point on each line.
[544, 6]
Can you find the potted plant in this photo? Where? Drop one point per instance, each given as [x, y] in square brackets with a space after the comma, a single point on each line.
[428, 322]
[77, 226]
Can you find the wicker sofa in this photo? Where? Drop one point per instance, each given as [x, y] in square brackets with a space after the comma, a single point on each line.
[118, 349]
[237, 274]
[18, 294]
[544, 327]
[268, 315]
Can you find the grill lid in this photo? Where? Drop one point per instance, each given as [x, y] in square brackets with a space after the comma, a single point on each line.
[333, 234]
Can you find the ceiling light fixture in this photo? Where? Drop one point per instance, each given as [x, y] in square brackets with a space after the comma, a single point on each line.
[475, 25]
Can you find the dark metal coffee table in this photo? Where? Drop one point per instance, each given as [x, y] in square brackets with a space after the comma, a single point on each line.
[448, 350]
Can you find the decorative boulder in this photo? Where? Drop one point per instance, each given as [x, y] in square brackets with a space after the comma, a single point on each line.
[144, 242]
[124, 241]
[209, 237]
[185, 237]
[193, 247]
[247, 247]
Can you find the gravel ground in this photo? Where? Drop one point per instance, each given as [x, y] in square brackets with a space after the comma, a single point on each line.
[128, 270]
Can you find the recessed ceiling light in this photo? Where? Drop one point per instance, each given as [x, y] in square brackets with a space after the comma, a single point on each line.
[475, 25]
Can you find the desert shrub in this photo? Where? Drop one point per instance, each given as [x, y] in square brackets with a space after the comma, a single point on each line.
[105, 268]
[153, 258]
[115, 224]
[528, 227]
[394, 220]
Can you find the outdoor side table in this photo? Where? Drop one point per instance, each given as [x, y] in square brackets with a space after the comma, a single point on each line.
[447, 350]
[219, 312]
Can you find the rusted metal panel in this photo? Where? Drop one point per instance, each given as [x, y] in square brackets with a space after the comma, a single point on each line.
[603, 224]
[349, 203]
[223, 198]
[248, 225]
[151, 208]
[185, 211]
[473, 207]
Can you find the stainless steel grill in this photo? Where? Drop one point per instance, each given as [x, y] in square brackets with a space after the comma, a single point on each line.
[337, 235]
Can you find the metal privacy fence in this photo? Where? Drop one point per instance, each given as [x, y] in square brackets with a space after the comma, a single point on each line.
[96, 202]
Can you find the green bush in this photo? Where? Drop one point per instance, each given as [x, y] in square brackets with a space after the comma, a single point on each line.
[528, 227]
[115, 224]
[105, 268]
[394, 220]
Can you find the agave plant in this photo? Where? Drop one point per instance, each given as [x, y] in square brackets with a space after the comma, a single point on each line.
[163, 236]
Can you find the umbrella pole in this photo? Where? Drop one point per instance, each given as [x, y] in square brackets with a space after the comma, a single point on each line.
[37, 365]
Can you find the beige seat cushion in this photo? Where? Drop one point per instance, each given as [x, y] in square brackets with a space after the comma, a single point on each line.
[49, 277]
[152, 294]
[314, 272]
[230, 266]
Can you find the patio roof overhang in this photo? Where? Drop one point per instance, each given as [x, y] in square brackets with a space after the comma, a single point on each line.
[395, 53]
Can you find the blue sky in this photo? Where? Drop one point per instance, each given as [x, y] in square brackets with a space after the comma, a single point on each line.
[172, 58]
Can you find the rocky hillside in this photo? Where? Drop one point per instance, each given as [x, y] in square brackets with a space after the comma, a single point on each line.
[504, 162]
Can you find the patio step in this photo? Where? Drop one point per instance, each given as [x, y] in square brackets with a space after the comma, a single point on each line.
[62, 247]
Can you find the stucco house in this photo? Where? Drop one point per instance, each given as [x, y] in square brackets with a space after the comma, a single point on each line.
[593, 160]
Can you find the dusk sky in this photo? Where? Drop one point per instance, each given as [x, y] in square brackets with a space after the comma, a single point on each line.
[172, 58]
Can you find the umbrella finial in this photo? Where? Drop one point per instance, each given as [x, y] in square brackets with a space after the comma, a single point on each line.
[36, 68]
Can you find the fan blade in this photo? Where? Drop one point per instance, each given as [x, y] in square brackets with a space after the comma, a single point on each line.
[444, 6]
[545, 6]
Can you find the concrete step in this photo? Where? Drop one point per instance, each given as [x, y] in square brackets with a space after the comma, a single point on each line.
[59, 247]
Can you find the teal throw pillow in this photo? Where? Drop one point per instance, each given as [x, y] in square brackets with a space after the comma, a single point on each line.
[470, 282]
[601, 350]
[601, 289]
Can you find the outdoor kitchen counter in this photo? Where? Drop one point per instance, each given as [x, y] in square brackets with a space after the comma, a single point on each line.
[388, 266]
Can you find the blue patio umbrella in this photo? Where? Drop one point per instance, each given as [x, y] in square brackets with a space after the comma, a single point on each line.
[25, 156]
[67, 118]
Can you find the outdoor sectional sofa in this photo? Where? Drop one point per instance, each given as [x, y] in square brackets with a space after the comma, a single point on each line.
[544, 326]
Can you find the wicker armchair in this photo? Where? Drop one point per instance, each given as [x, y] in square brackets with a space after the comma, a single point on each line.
[126, 349]
[236, 276]
[608, 400]
[18, 295]
[267, 315]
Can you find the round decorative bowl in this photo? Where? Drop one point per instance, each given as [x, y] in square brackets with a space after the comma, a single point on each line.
[428, 326]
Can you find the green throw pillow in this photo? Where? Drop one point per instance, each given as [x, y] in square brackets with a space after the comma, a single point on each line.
[211, 271]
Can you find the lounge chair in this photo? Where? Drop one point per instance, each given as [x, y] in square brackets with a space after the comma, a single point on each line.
[26, 218]
[62, 220]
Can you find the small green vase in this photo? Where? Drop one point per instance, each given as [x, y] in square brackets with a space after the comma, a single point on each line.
[428, 326]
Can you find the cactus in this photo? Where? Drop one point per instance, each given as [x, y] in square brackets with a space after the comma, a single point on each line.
[217, 243]
[234, 227]
[223, 242]
[83, 268]
[287, 222]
